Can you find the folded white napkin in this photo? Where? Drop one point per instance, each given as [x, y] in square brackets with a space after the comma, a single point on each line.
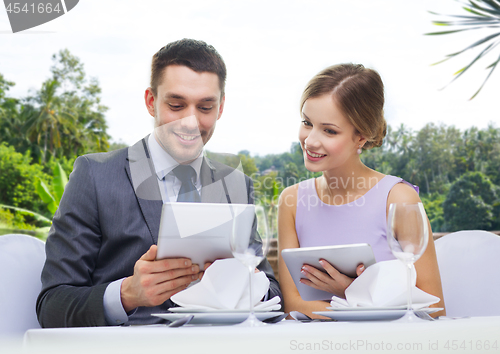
[384, 284]
[225, 286]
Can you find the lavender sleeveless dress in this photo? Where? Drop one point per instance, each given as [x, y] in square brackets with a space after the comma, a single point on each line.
[361, 221]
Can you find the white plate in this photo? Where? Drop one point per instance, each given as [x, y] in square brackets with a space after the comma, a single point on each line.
[191, 310]
[367, 308]
[369, 315]
[217, 318]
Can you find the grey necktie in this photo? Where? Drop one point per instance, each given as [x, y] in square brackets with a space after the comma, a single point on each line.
[188, 192]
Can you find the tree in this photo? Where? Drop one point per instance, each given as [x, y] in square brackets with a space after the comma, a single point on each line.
[10, 123]
[48, 122]
[482, 14]
[472, 203]
[248, 164]
[64, 118]
[433, 204]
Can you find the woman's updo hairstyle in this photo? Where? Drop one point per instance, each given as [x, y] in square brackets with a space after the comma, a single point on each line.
[359, 93]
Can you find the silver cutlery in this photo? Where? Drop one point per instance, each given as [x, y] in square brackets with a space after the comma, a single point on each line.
[275, 319]
[299, 316]
[423, 315]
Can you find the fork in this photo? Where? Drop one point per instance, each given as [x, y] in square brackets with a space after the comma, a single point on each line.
[424, 315]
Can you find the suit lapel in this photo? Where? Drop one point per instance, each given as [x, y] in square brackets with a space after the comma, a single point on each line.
[140, 171]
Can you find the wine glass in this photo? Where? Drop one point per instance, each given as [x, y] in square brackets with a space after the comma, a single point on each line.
[407, 235]
[250, 247]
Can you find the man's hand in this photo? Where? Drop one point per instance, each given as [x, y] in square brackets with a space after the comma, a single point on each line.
[154, 282]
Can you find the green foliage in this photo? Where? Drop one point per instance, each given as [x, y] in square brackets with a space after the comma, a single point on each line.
[12, 220]
[117, 145]
[59, 181]
[248, 165]
[433, 204]
[472, 203]
[20, 213]
[21, 208]
[18, 178]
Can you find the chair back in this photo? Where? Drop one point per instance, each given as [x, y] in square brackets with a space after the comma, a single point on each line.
[468, 264]
[21, 261]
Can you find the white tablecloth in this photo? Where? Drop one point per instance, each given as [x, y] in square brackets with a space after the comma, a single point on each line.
[469, 335]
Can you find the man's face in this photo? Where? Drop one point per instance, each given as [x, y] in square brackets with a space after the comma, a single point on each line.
[186, 109]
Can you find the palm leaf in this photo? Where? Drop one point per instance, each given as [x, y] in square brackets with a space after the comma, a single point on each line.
[492, 66]
[464, 69]
[491, 10]
[486, 15]
[473, 12]
[453, 31]
[37, 216]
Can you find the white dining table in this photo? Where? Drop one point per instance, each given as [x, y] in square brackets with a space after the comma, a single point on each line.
[465, 335]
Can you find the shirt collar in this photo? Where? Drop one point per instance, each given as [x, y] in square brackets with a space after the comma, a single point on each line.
[164, 163]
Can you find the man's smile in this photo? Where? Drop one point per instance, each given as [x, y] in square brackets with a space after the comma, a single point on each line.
[187, 137]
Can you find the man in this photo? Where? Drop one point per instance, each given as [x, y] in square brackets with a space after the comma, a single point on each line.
[101, 266]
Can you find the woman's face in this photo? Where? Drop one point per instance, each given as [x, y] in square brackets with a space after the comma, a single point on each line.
[327, 137]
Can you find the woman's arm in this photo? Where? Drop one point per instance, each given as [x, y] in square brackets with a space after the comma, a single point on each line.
[428, 277]
[287, 238]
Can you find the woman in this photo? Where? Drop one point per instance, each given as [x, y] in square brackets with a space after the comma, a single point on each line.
[342, 114]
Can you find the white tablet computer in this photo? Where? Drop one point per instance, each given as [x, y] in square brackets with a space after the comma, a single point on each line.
[345, 258]
[201, 231]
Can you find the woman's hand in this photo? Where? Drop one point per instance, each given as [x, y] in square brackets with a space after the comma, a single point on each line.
[332, 281]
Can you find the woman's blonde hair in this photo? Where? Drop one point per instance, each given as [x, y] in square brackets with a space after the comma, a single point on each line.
[359, 92]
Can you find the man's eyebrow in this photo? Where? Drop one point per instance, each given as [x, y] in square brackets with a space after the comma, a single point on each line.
[180, 97]
[175, 96]
[209, 99]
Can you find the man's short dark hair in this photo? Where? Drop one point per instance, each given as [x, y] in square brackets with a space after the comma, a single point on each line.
[194, 54]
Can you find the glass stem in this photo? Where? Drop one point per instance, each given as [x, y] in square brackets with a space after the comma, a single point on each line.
[410, 265]
[251, 290]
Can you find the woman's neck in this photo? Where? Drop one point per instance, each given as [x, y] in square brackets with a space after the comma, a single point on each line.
[345, 185]
[347, 177]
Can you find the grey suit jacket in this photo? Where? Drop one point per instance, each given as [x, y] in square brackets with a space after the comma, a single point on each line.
[107, 219]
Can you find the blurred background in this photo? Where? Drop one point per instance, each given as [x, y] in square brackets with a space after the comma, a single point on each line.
[75, 85]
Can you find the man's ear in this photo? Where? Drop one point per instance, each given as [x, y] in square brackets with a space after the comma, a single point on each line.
[149, 99]
[221, 107]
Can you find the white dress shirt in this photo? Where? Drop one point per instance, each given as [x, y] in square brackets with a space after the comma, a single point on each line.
[169, 189]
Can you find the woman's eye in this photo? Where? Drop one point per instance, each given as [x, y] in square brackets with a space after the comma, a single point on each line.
[331, 132]
[307, 123]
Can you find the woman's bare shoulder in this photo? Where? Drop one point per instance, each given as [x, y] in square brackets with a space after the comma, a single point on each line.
[403, 193]
[289, 193]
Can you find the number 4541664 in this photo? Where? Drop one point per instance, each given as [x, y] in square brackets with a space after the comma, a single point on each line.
[40, 8]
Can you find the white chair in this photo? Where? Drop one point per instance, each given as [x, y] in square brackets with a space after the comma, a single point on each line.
[21, 262]
[468, 264]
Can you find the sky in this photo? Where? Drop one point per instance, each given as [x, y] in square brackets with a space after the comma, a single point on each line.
[272, 48]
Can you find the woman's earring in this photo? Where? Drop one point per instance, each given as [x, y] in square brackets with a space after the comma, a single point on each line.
[359, 150]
